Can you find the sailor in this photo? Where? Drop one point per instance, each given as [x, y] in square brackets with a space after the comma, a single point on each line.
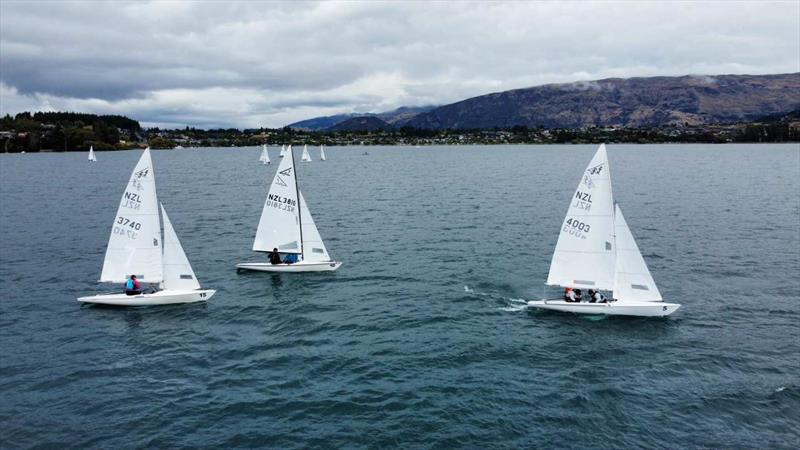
[569, 296]
[591, 296]
[274, 256]
[132, 286]
[577, 295]
[598, 297]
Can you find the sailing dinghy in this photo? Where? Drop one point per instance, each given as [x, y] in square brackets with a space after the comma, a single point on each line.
[306, 156]
[264, 158]
[283, 150]
[135, 247]
[596, 250]
[322, 153]
[92, 157]
[286, 224]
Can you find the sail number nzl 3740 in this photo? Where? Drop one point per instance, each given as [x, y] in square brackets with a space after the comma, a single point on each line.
[131, 200]
[126, 227]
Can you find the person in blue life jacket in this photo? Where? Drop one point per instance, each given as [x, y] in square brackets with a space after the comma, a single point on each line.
[132, 286]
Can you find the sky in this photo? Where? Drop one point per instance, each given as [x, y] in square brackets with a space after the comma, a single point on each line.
[250, 64]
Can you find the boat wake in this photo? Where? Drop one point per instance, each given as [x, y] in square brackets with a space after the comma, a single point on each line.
[511, 304]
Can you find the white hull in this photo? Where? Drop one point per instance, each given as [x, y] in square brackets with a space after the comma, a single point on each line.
[302, 266]
[165, 297]
[640, 309]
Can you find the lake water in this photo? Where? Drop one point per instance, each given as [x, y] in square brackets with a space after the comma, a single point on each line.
[420, 339]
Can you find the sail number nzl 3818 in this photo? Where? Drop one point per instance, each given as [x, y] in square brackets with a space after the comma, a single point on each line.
[279, 202]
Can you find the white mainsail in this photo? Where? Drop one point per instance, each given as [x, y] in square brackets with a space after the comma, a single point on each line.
[313, 247]
[585, 252]
[178, 273]
[134, 247]
[283, 150]
[264, 158]
[92, 156]
[279, 226]
[306, 157]
[632, 279]
[322, 152]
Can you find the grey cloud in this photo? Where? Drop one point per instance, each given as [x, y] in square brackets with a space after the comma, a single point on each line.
[287, 58]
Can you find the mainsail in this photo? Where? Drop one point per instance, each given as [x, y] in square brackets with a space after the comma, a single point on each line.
[92, 156]
[134, 247]
[279, 226]
[585, 252]
[264, 158]
[632, 279]
[306, 156]
[178, 273]
[322, 152]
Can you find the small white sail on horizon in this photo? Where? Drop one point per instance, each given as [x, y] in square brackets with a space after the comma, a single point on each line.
[306, 156]
[264, 157]
[283, 150]
[92, 156]
[322, 152]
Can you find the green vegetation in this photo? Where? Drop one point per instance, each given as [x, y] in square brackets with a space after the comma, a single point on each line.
[54, 131]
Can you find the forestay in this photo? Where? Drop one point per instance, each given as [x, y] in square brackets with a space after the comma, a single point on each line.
[178, 273]
[313, 248]
[134, 247]
[585, 254]
[279, 226]
[632, 279]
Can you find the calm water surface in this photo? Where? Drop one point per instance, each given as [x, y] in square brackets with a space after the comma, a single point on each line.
[420, 339]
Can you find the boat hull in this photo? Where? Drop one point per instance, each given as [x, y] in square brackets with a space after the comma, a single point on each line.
[302, 266]
[165, 297]
[638, 309]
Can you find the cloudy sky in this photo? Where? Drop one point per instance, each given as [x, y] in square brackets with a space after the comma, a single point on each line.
[250, 64]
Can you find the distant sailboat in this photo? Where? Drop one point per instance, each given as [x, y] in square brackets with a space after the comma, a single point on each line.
[264, 158]
[322, 153]
[306, 157]
[286, 224]
[596, 250]
[135, 247]
[283, 150]
[92, 157]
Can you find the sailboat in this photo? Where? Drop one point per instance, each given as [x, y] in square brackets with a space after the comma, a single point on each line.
[135, 247]
[92, 157]
[596, 250]
[306, 157]
[322, 152]
[286, 224]
[264, 158]
[283, 150]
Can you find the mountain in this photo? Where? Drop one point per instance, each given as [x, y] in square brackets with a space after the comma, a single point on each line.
[368, 123]
[397, 117]
[321, 123]
[631, 102]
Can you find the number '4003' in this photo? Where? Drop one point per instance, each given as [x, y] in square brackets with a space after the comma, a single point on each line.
[575, 223]
[123, 221]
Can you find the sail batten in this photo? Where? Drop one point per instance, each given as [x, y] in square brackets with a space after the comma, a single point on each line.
[134, 246]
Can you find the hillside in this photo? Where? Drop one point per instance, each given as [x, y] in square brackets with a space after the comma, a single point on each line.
[632, 102]
[397, 118]
[369, 123]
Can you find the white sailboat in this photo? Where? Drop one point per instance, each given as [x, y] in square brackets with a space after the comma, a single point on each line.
[306, 157]
[322, 153]
[596, 250]
[286, 224]
[92, 157]
[135, 247]
[283, 150]
[264, 158]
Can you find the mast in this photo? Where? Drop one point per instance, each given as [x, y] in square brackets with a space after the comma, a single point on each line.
[299, 211]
